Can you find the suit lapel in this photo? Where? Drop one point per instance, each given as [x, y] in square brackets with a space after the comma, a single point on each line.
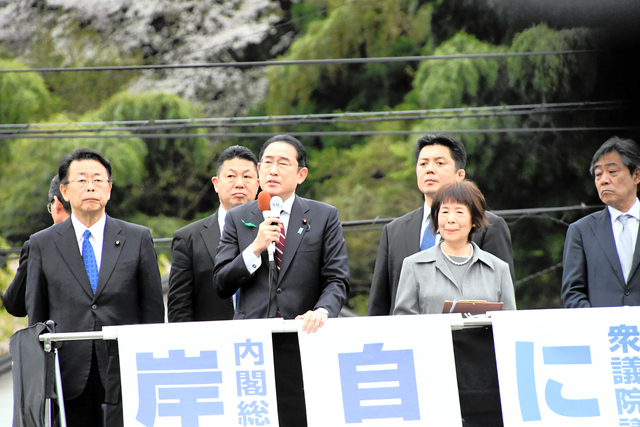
[67, 245]
[601, 228]
[211, 235]
[112, 245]
[295, 232]
[412, 231]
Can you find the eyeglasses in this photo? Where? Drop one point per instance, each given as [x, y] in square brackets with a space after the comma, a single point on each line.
[283, 165]
[83, 182]
[49, 206]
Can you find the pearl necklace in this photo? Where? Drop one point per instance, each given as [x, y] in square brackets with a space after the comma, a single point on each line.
[456, 262]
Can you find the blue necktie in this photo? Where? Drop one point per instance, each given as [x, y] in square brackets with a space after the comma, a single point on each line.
[428, 238]
[89, 259]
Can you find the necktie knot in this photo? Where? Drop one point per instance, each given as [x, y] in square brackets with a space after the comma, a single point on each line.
[623, 219]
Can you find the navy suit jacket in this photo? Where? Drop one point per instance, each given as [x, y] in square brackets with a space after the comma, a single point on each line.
[400, 239]
[129, 291]
[592, 275]
[314, 271]
[14, 297]
[192, 295]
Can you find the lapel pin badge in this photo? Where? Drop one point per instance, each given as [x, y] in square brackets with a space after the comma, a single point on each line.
[300, 230]
[117, 242]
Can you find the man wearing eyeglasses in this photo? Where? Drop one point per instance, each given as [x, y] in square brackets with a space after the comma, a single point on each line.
[88, 272]
[311, 281]
[14, 297]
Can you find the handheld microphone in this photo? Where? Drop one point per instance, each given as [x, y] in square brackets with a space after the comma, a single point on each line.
[270, 207]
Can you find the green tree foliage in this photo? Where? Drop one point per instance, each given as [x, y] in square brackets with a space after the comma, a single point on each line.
[24, 97]
[352, 29]
[178, 170]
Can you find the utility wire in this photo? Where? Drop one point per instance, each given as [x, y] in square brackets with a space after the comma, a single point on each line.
[339, 61]
[323, 134]
[310, 119]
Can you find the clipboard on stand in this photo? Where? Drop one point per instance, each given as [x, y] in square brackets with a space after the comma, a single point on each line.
[470, 306]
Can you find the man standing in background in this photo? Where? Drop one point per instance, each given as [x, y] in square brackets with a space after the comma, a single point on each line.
[192, 295]
[600, 255]
[14, 297]
[440, 160]
[88, 272]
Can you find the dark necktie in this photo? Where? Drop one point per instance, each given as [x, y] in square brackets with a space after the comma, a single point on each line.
[280, 248]
[428, 238]
[89, 259]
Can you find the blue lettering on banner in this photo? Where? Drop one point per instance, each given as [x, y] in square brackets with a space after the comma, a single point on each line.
[626, 370]
[248, 348]
[186, 381]
[629, 422]
[623, 337]
[378, 384]
[251, 383]
[527, 393]
[254, 413]
[627, 400]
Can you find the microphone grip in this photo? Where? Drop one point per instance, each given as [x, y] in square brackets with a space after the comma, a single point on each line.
[271, 249]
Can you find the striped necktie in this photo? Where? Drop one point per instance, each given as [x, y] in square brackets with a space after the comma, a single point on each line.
[280, 247]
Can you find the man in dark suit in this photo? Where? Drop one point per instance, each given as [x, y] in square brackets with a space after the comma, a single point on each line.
[88, 272]
[440, 160]
[309, 278]
[601, 255]
[192, 295]
[312, 281]
[14, 297]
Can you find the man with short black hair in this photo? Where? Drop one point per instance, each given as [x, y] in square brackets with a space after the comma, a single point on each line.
[600, 258]
[192, 295]
[14, 297]
[440, 159]
[88, 272]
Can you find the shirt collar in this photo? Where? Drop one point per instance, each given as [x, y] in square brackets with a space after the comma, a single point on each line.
[427, 213]
[634, 211]
[222, 216]
[287, 205]
[97, 229]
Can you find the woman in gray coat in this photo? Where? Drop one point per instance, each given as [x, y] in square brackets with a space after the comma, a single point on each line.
[455, 268]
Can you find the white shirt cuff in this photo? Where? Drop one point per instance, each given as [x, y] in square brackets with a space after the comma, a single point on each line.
[251, 261]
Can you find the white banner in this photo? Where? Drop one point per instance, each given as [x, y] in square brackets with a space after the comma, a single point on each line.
[569, 367]
[381, 371]
[198, 374]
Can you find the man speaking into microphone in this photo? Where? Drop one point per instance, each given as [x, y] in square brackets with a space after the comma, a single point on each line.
[310, 278]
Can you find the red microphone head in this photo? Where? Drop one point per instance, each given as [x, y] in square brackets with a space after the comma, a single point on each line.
[264, 201]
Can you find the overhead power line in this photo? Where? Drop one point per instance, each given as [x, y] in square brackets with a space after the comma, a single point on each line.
[152, 129]
[339, 61]
[323, 134]
[310, 119]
